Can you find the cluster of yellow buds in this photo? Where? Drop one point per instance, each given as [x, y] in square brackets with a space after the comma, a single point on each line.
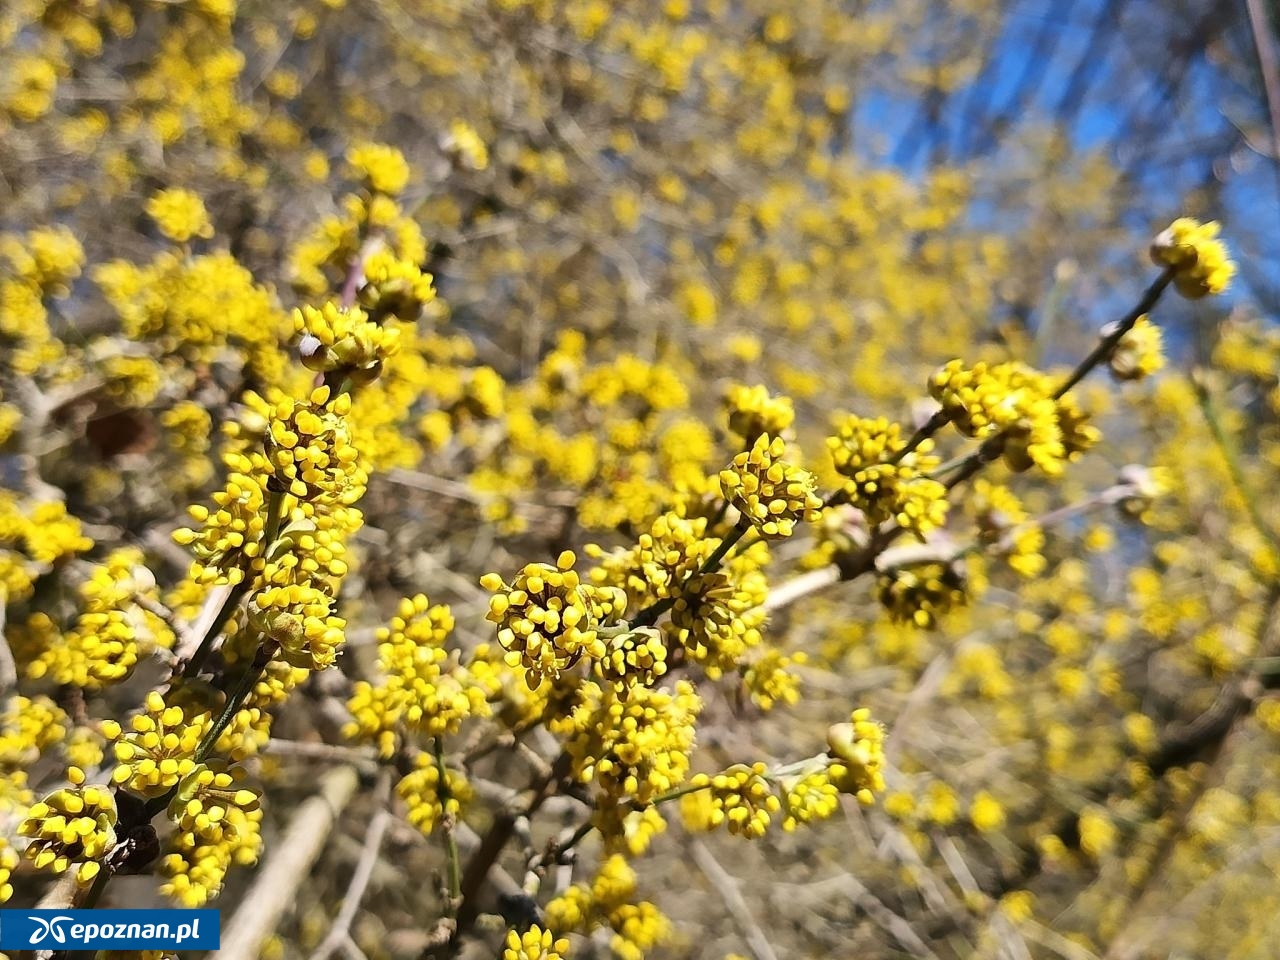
[426, 799]
[309, 447]
[534, 944]
[232, 533]
[345, 340]
[158, 750]
[74, 825]
[718, 617]
[922, 593]
[635, 749]
[814, 796]
[740, 798]
[858, 746]
[423, 687]
[180, 215]
[770, 493]
[753, 411]
[299, 617]
[383, 168]
[883, 482]
[544, 619]
[393, 287]
[1138, 354]
[218, 825]
[1199, 260]
[633, 658]
[1017, 403]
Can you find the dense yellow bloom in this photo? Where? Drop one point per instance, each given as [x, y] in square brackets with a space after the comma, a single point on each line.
[393, 287]
[986, 813]
[534, 944]
[423, 688]
[859, 747]
[382, 167]
[1199, 260]
[884, 482]
[741, 798]
[310, 450]
[180, 214]
[1139, 353]
[231, 535]
[344, 340]
[158, 750]
[426, 799]
[634, 749]
[753, 411]
[771, 494]
[73, 825]
[218, 825]
[545, 619]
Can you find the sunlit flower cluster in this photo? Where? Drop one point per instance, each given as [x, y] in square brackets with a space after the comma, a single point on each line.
[158, 749]
[1199, 260]
[426, 799]
[884, 480]
[73, 826]
[423, 687]
[545, 619]
[770, 493]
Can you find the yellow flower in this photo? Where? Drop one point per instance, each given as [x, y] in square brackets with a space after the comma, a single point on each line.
[1199, 260]
[74, 825]
[769, 492]
[180, 215]
[534, 944]
[382, 167]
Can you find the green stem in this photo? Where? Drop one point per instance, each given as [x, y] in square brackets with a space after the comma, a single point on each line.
[451, 843]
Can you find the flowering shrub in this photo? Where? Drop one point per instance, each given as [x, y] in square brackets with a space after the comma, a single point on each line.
[1026, 607]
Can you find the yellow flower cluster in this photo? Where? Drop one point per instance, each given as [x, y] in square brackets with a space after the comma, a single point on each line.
[815, 795]
[310, 450]
[394, 287]
[424, 798]
[859, 747]
[545, 618]
[635, 749]
[534, 944]
[218, 824]
[230, 538]
[631, 658]
[382, 167]
[112, 632]
[1015, 402]
[46, 260]
[1003, 525]
[770, 493]
[466, 143]
[180, 215]
[718, 616]
[158, 750]
[202, 309]
[33, 537]
[423, 688]
[28, 726]
[73, 825]
[345, 342]
[1199, 260]
[740, 798]
[884, 482]
[770, 680]
[921, 593]
[753, 411]
[610, 901]
[1139, 353]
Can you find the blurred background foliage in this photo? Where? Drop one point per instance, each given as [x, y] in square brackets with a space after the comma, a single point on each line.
[628, 206]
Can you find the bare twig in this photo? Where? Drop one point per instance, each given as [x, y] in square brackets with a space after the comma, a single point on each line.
[275, 887]
[340, 932]
[727, 887]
